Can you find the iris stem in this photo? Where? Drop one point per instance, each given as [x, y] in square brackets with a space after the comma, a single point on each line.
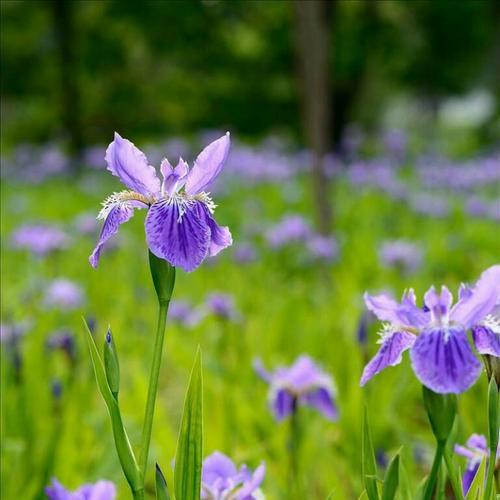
[488, 492]
[431, 480]
[153, 386]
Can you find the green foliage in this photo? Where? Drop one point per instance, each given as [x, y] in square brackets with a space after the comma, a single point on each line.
[391, 479]
[161, 485]
[368, 461]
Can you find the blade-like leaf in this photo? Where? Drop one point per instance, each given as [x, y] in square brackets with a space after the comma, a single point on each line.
[369, 463]
[477, 485]
[391, 479]
[404, 482]
[161, 485]
[188, 460]
[123, 448]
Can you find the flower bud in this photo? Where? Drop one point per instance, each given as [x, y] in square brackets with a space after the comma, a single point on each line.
[111, 364]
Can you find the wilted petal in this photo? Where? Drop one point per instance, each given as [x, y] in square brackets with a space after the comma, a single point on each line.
[485, 295]
[220, 236]
[119, 214]
[443, 360]
[486, 340]
[181, 240]
[131, 165]
[389, 354]
[322, 400]
[283, 404]
[207, 165]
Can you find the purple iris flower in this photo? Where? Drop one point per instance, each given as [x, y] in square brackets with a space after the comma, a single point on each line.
[401, 254]
[102, 490]
[222, 306]
[63, 340]
[40, 239]
[301, 384]
[436, 335]
[64, 294]
[475, 451]
[180, 227]
[184, 313]
[323, 248]
[221, 480]
[290, 229]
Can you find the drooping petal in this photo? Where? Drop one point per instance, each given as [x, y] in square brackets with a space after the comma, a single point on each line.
[220, 236]
[173, 177]
[245, 493]
[389, 354]
[207, 166]
[120, 213]
[131, 165]
[444, 361]
[486, 340]
[322, 400]
[182, 239]
[485, 295]
[283, 404]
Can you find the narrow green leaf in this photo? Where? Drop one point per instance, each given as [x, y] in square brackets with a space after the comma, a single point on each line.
[188, 460]
[391, 479]
[404, 483]
[477, 485]
[161, 485]
[368, 459]
[123, 448]
[493, 414]
[363, 495]
[111, 364]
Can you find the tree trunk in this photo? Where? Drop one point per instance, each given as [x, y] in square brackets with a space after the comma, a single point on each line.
[313, 30]
[62, 14]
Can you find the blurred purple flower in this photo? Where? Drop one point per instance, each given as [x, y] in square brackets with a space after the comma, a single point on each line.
[441, 356]
[64, 340]
[401, 254]
[426, 204]
[86, 224]
[290, 229]
[222, 306]
[102, 490]
[180, 227]
[221, 480]
[11, 333]
[184, 313]
[322, 247]
[475, 451]
[395, 141]
[244, 253]
[63, 294]
[39, 239]
[301, 384]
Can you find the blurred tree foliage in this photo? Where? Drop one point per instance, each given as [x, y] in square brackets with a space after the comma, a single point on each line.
[156, 68]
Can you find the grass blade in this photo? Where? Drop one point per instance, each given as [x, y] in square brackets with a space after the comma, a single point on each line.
[391, 479]
[368, 460]
[161, 485]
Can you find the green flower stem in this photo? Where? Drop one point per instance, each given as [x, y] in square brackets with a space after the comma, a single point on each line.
[455, 481]
[493, 426]
[153, 386]
[431, 480]
[490, 475]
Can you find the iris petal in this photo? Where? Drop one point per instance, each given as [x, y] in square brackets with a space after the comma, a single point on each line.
[220, 236]
[486, 340]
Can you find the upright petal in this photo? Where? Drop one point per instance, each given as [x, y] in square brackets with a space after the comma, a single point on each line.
[131, 165]
[173, 177]
[56, 491]
[118, 214]
[207, 165]
[389, 354]
[444, 361]
[438, 304]
[322, 400]
[220, 236]
[404, 314]
[486, 340]
[249, 487]
[182, 239]
[472, 309]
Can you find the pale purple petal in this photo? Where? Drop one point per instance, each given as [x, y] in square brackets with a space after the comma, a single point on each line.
[477, 442]
[245, 493]
[464, 292]
[261, 371]
[322, 400]
[444, 361]
[485, 295]
[439, 305]
[283, 404]
[181, 240]
[173, 177]
[207, 166]
[131, 165]
[116, 217]
[389, 354]
[464, 451]
[56, 491]
[102, 490]
[404, 314]
[217, 466]
[486, 340]
[220, 236]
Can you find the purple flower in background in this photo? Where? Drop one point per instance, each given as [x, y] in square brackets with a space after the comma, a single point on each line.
[221, 480]
[64, 294]
[184, 313]
[290, 229]
[39, 239]
[475, 451]
[322, 247]
[180, 227]
[401, 254]
[63, 340]
[395, 141]
[301, 384]
[436, 335]
[102, 490]
[86, 224]
[244, 253]
[222, 305]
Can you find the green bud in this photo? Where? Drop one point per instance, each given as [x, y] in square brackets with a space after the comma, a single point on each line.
[163, 275]
[161, 485]
[492, 364]
[111, 364]
[441, 410]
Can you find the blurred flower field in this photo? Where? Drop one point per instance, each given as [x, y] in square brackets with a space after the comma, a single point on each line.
[401, 219]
